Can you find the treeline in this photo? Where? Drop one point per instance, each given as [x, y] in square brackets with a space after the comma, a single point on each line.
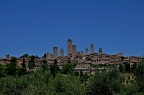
[50, 80]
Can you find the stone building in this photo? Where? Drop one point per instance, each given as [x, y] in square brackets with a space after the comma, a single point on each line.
[82, 52]
[62, 52]
[86, 51]
[69, 46]
[55, 52]
[49, 56]
[119, 54]
[83, 65]
[100, 51]
[74, 51]
[91, 48]
[83, 61]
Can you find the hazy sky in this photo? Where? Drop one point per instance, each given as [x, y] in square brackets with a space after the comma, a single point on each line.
[35, 26]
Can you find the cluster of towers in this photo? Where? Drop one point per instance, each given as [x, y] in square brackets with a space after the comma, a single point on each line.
[91, 49]
[55, 53]
[71, 50]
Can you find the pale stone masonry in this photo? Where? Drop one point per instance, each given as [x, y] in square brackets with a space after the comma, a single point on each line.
[100, 51]
[62, 52]
[69, 46]
[119, 54]
[74, 50]
[86, 51]
[55, 52]
[92, 48]
[49, 55]
[82, 53]
[81, 60]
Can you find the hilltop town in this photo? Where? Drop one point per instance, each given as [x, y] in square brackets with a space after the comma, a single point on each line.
[82, 60]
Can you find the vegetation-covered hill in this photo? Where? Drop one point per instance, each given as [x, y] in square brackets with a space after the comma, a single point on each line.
[53, 81]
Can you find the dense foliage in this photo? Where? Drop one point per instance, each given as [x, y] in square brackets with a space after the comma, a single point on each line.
[53, 81]
[106, 83]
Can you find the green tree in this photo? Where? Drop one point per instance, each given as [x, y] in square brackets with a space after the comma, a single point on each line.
[1, 71]
[131, 89]
[127, 67]
[11, 68]
[21, 71]
[32, 58]
[68, 68]
[76, 73]
[23, 63]
[122, 68]
[32, 84]
[133, 68]
[122, 59]
[12, 85]
[55, 62]
[139, 73]
[54, 68]
[85, 77]
[37, 83]
[26, 55]
[105, 83]
[14, 60]
[45, 65]
[31, 63]
[66, 85]
[95, 65]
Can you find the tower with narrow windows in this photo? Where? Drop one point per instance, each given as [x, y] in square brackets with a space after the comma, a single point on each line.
[82, 52]
[86, 51]
[48, 55]
[74, 50]
[69, 46]
[91, 48]
[100, 51]
[62, 52]
[55, 52]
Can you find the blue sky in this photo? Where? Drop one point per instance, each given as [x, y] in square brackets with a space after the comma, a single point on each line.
[35, 26]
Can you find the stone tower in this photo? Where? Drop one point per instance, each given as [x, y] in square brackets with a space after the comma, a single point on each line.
[119, 54]
[86, 51]
[7, 56]
[92, 48]
[62, 52]
[100, 51]
[55, 52]
[48, 55]
[74, 50]
[69, 46]
[82, 52]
